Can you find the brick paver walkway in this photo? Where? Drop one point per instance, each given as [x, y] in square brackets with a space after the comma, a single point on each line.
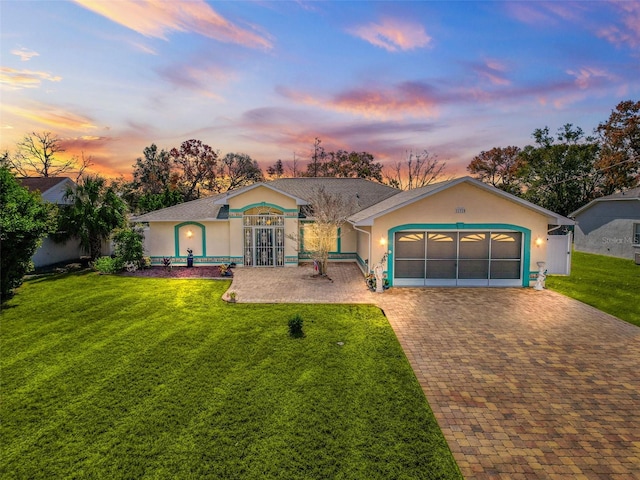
[524, 384]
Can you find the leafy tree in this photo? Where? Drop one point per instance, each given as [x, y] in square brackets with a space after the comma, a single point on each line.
[343, 164]
[619, 159]
[498, 167]
[151, 173]
[276, 170]
[148, 202]
[94, 212]
[36, 156]
[560, 174]
[415, 171]
[328, 212]
[197, 165]
[24, 221]
[237, 170]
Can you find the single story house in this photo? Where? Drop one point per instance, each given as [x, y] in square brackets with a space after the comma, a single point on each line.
[52, 190]
[458, 232]
[610, 225]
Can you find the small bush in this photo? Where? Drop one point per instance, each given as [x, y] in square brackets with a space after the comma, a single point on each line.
[107, 265]
[295, 326]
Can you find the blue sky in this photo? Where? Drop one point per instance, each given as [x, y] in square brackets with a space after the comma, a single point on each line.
[266, 78]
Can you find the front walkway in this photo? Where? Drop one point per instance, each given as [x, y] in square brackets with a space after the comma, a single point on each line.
[524, 384]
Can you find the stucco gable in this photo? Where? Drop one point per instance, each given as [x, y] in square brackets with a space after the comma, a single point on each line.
[366, 217]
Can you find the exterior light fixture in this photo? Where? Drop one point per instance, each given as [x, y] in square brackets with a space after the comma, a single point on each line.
[539, 242]
[383, 241]
[189, 234]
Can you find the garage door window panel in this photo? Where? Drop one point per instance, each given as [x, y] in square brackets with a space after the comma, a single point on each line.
[442, 252]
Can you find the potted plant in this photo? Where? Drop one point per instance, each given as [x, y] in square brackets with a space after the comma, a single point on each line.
[233, 297]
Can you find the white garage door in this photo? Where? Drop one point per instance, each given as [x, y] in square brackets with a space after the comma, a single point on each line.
[457, 258]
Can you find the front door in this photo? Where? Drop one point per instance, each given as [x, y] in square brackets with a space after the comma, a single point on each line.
[264, 241]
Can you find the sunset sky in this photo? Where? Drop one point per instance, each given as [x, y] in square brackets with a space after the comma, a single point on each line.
[266, 78]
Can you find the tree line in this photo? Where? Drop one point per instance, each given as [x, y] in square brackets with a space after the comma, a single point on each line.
[564, 171]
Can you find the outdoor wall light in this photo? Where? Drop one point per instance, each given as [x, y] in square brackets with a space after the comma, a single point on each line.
[383, 241]
[539, 242]
[189, 234]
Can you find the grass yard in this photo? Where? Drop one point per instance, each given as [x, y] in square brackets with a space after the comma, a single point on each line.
[607, 283]
[114, 377]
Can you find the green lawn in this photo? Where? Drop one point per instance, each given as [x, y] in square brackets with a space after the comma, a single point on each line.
[117, 377]
[607, 283]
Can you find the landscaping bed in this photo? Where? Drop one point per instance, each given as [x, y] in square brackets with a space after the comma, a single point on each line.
[178, 272]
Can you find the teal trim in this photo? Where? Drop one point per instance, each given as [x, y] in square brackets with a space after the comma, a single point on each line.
[526, 240]
[263, 204]
[176, 232]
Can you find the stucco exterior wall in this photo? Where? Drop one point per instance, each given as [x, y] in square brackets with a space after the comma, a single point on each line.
[480, 207]
[261, 195]
[51, 252]
[607, 228]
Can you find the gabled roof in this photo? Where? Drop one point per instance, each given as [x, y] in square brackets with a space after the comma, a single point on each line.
[224, 199]
[41, 184]
[50, 188]
[367, 216]
[632, 194]
[364, 193]
[204, 209]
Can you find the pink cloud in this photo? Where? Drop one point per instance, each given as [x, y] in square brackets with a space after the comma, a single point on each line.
[494, 71]
[406, 99]
[393, 35]
[545, 13]
[197, 77]
[157, 18]
[589, 77]
[627, 31]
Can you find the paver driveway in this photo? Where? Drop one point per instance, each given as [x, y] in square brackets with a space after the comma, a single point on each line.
[524, 384]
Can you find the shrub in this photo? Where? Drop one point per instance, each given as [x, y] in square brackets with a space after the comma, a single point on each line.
[107, 265]
[129, 245]
[24, 221]
[295, 326]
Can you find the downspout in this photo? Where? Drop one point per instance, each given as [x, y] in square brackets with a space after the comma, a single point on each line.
[369, 243]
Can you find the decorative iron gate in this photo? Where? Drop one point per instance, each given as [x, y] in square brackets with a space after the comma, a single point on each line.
[264, 240]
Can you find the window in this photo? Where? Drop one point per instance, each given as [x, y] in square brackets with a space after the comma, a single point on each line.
[315, 240]
[636, 233]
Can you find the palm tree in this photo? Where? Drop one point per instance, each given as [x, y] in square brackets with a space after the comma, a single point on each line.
[94, 211]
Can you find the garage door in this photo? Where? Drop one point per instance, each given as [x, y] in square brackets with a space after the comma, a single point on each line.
[458, 258]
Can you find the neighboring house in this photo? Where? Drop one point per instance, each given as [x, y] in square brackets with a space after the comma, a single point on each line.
[458, 232]
[610, 225]
[52, 190]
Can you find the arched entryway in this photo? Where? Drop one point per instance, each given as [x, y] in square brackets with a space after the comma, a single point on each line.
[263, 237]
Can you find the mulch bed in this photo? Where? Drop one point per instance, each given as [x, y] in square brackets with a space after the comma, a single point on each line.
[178, 272]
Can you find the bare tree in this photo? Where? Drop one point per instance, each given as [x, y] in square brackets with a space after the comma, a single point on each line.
[415, 171]
[328, 213]
[36, 156]
[83, 163]
[292, 168]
